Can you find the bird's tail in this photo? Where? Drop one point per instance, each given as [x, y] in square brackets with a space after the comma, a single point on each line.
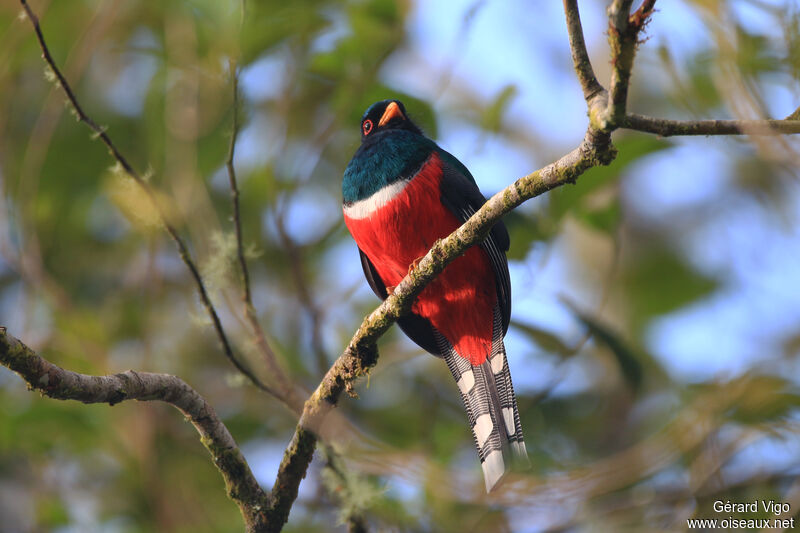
[491, 406]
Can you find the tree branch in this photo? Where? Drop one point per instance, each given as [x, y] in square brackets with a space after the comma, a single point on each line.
[667, 128]
[580, 56]
[285, 391]
[237, 220]
[623, 36]
[60, 384]
[183, 250]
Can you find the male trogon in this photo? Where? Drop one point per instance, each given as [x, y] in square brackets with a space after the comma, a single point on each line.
[402, 192]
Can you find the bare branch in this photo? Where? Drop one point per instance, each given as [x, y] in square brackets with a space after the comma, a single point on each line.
[623, 36]
[60, 384]
[667, 128]
[284, 389]
[237, 221]
[183, 250]
[580, 57]
[619, 12]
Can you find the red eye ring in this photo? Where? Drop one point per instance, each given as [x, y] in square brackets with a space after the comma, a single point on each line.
[366, 127]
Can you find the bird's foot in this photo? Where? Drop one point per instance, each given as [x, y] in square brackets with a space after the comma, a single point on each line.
[414, 264]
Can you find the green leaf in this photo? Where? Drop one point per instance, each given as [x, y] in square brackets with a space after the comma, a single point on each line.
[545, 340]
[629, 362]
[660, 282]
[51, 513]
[791, 345]
[523, 230]
[702, 93]
[754, 53]
[765, 398]
[604, 219]
[492, 116]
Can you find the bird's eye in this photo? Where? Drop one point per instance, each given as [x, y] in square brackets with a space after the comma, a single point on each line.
[366, 127]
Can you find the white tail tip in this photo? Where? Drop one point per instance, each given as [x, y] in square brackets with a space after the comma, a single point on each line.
[493, 469]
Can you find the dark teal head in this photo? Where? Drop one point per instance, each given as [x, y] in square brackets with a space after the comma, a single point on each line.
[386, 115]
[392, 148]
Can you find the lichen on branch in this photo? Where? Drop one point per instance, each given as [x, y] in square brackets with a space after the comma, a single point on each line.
[60, 384]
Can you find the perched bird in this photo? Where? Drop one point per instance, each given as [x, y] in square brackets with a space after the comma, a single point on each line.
[401, 193]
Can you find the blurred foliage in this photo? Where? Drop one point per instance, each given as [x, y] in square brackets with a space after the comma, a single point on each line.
[92, 283]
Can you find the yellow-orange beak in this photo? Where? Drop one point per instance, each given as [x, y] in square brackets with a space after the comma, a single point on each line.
[392, 110]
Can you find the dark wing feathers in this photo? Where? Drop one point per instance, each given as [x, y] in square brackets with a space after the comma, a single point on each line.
[417, 328]
[463, 198]
[374, 280]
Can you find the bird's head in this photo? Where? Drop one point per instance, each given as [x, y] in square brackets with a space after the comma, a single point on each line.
[384, 116]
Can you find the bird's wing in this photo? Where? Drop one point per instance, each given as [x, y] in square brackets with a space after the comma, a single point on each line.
[461, 196]
[374, 280]
[417, 328]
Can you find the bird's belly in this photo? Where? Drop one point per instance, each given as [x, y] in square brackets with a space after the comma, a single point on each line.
[460, 302]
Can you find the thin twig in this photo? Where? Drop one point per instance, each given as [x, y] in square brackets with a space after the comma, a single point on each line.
[237, 221]
[183, 251]
[284, 390]
[618, 13]
[667, 128]
[58, 383]
[580, 56]
[623, 37]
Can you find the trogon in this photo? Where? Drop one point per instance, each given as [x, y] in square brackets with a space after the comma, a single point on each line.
[401, 193]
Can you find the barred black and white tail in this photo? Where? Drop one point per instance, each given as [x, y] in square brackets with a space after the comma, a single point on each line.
[491, 407]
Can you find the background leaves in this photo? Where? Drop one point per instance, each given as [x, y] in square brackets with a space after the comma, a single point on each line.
[674, 358]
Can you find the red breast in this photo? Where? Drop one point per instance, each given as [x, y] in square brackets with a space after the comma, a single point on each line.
[398, 225]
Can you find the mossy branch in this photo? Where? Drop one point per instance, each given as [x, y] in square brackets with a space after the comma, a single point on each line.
[668, 128]
[55, 382]
[593, 92]
[623, 35]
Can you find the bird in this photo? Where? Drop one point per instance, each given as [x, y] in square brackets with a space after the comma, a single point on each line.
[401, 193]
